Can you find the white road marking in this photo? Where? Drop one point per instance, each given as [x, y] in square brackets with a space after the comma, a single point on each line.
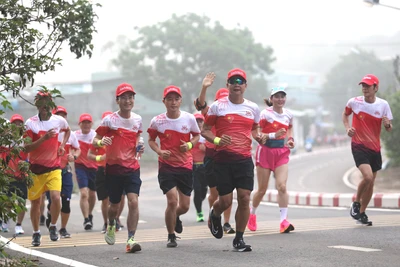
[356, 248]
[346, 178]
[47, 256]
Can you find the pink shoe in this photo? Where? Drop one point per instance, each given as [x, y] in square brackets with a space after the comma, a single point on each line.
[286, 227]
[252, 224]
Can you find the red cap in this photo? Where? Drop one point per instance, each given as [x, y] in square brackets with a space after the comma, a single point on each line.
[85, 117]
[16, 117]
[222, 92]
[198, 116]
[59, 109]
[369, 79]
[106, 113]
[172, 89]
[237, 72]
[123, 88]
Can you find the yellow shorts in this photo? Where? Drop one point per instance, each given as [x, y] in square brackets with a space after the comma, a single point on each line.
[49, 181]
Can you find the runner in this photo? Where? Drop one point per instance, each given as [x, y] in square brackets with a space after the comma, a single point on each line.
[44, 151]
[120, 133]
[369, 113]
[273, 156]
[201, 105]
[236, 121]
[174, 128]
[199, 177]
[86, 170]
[72, 152]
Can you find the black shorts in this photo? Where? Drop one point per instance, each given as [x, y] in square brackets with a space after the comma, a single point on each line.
[234, 175]
[19, 188]
[182, 180]
[101, 188]
[199, 177]
[209, 172]
[364, 155]
[117, 184]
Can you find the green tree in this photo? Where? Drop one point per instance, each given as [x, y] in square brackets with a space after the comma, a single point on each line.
[342, 80]
[390, 139]
[31, 35]
[182, 49]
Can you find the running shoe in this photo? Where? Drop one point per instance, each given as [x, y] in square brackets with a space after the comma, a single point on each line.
[132, 246]
[200, 217]
[109, 237]
[228, 229]
[240, 246]
[355, 210]
[172, 242]
[19, 230]
[364, 220]
[53, 233]
[214, 223]
[42, 220]
[91, 219]
[178, 225]
[87, 225]
[252, 224]
[64, 233]
[4, 227]
[36, 238]
[286, 227]
[104, 230]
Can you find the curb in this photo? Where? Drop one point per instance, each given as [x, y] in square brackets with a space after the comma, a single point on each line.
[378, 200]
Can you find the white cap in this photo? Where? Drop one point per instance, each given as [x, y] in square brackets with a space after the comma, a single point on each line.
[277, 90]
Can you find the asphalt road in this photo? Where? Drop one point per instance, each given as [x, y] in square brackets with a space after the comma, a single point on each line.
[319, 238]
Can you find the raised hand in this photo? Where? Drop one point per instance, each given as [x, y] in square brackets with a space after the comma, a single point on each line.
[209, 79]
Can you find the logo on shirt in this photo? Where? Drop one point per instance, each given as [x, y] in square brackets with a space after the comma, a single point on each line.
[377, 113]
[135, 128]
[229, 119]
[185, 128]
[248, 113]
[275, 125]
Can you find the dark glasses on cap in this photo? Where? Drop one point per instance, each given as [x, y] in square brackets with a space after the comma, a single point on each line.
[235, 80]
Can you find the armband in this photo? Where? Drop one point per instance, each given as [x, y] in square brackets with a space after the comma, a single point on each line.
[99, 143]
[271, 136]
[216, 141]
[98, 158]
[198, 107]
[190, 145]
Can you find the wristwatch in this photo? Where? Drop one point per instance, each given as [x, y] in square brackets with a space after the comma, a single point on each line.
[75, 157]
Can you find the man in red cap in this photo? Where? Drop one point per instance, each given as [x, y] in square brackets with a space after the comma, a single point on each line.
[17, 185]
[72, 152]
[178, 133]
[120, 133]
[236, 123]
[86, 170]
[44, 156]
[369, 113]
[201, 105]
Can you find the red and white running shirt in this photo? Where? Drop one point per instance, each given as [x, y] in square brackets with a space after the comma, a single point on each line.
[171, 132]
[197, 153]
[85, 143]
[45, 157]
[367, 120]
[271, 121]
[99, 151]
[237, 121]
[72, 142]
[121, 155]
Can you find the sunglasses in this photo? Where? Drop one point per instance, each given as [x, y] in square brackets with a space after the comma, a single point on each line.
[239, 81]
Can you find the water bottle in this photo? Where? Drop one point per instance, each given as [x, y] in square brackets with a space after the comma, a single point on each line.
[139, 147]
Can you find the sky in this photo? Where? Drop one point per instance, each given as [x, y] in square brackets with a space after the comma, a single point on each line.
[282, 24]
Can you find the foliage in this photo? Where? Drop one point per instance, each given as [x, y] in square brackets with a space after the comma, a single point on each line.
[183, 49]
[342, 80]
[31, 35]
[390, 139]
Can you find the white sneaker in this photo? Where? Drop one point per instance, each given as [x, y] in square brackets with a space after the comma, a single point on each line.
[4, 226]
[19, 230]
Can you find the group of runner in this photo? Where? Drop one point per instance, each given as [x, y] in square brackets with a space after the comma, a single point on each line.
[211, 149]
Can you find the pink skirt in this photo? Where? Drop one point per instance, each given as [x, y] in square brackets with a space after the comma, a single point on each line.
[271, 158]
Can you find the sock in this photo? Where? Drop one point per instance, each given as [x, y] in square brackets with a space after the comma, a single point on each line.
[51, 224]
[253, 210]
[131, 234]
[18, 224]
[239, 235]
[283, 213]
[36, 232]
[171, 236]
[111, 222]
